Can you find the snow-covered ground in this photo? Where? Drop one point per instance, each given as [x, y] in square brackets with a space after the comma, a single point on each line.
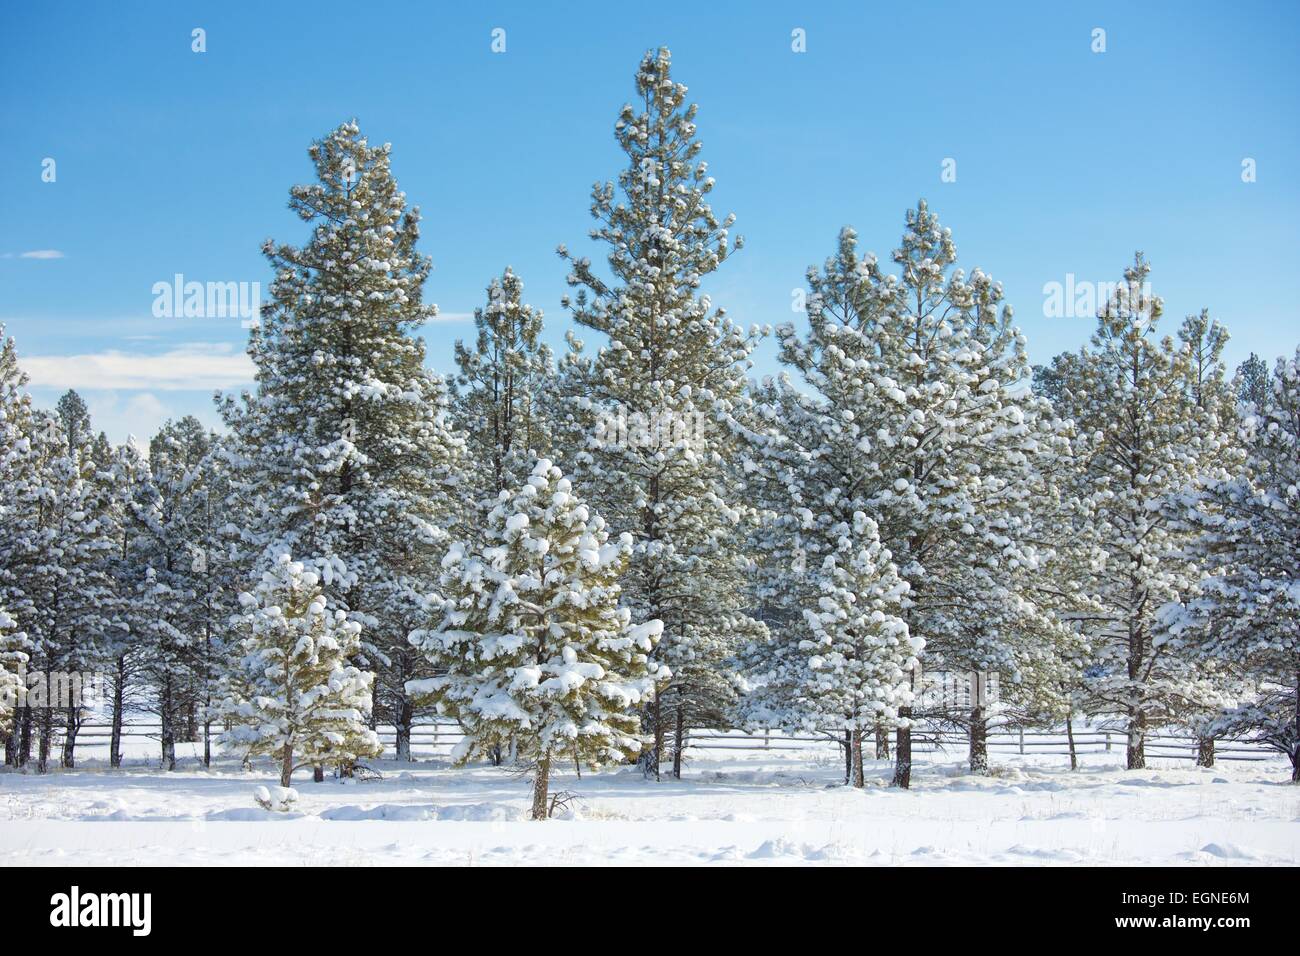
[743, 807]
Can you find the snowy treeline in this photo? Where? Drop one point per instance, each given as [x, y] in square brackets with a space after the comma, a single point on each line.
[579, 559]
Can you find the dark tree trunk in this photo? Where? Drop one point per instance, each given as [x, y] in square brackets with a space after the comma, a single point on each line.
[1069, 736]
[119, 699]
[71, 725]
[317, 774]
[1135, 755]
[847, 744]
[25, 738]
[286, 765]
[1205, 752]
[14, 741]
[402, 719]
[494, 755]
[540, 785]
[167, 716]
[650, 758]
[679, 740]
[979, 741]
[859, 778]
[207, 743]
[882, 742]
[47, 733]
[903, 752]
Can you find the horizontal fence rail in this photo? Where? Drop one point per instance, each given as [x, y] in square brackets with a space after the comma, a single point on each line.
[438, 739]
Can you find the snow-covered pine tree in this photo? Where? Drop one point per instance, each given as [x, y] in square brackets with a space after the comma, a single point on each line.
[1141, 438]
[126, 651]
[14, 652]
[1251, 381]
[529, 641]
[500, 394]
[652, 416]
[293, 695]
[344, 457]
[18, 479]
[912, 408]
[859, 655]
[1247, 534]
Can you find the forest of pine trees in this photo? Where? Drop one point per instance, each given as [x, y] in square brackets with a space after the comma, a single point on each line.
[579, 558]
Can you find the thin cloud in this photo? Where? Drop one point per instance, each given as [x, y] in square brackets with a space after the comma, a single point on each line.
[197, 366]
[41, 254]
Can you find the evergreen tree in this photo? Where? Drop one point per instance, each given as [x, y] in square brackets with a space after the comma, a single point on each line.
[1252, 381]
[911, 408]
[293, 695]
[344, 456]
[530, 643]
[1247, 609]
[14, 648]
[500, 394]
[1142, 438]
[652, 417]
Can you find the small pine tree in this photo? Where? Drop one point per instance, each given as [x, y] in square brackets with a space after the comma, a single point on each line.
[293, 695]
[530, 642]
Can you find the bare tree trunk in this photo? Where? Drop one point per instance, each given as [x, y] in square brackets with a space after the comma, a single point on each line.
[1295, 747]
[1069, 736]
[47, 732]
[847, 744]
[402, 720]
[1205, 752]
[1135, 755]
[979, 741]
[859, 779]
[317, 774]
[119, 701]
[679, 739]
[14, 740]
[903, 752]
[882, 741]
[207, 742]
[167, 716]
[650, 759]
[71, 726]
[540, 785]
[25, 742]
[286, 765]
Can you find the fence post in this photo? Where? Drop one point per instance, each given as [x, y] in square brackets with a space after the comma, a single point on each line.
[1022, 740]
[1107, 741]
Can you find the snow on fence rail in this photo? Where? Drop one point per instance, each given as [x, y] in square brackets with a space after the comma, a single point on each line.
[438, 738]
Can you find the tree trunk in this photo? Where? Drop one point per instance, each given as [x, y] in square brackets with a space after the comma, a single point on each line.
[286, 765]
[651, 757]
[167, 716]
[402, 720]
[14, 740]
[1295, 747]
[207, 742]
[847, 744]
[859, 779]
[679, 740]
[882, 741]
[540, 785]
[1205, 752]
[979, 742]
[317, 774]
[903, 752]
[1069, 736]
[25, 741]
[1136, 757]
[47, 732]
[70, 727]
[119, 700]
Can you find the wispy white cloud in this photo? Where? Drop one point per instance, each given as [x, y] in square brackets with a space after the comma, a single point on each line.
[41, 254]
[453, 316]
[196, 366]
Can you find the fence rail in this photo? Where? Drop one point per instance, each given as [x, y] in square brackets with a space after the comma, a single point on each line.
[438, 738]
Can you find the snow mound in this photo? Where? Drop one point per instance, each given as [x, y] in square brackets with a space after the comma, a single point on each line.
[416, 813]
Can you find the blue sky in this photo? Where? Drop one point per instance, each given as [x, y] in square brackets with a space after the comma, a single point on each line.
[170, 161]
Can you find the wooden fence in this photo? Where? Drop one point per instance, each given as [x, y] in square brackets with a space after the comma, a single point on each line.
[438, 738]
